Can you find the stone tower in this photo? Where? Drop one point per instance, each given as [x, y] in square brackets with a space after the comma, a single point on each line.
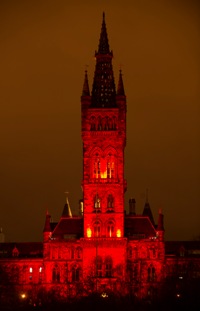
[104, 140]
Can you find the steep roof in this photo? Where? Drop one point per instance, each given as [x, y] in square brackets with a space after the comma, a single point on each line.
[71, 227]
[139, 227]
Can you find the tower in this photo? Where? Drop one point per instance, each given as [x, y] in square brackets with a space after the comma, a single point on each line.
[104, 140]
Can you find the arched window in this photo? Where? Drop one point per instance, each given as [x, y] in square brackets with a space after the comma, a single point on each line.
[151, 274]
[108, 267]
[75, 274]
[79, 252]
[97, 229]
[99, 124]
[56, 275]
[97, 167]
[110, 166]
[110, 229]
[99, 267]
[97, 203]
[110, 203]
[93, 124]
[66, 273]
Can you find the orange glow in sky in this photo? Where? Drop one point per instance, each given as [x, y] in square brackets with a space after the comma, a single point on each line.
[45, 47]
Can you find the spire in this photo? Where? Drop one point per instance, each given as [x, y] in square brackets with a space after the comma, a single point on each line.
[120, 88]
[103, 90]
[86, 90]
[67, 210]
[103, 42]
[47, 226]
[147, 210]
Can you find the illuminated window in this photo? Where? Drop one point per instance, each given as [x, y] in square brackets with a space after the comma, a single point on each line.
[89, 233]
[110, 166]
[97, 229]
[97, 168]
[40, 274]
[97, 203]
[30, 274]
[108, 267]
[110, 229]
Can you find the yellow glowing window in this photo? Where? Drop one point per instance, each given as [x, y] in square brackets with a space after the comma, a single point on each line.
[118, 233]
[89, 232]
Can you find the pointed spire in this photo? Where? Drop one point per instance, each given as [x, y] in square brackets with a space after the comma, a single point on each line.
[86, 90]
[103, 42]
[120, 88]
[103, 89]
[147, 210]
[67, 210]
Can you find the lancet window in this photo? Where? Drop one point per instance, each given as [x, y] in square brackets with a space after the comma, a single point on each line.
[110, 229]
[75, 274]
[97, 203]
[56, 274]
[99, 267]
[151, 274]
[97, 167]
[108, 267]
[110, 203]
[97, 229]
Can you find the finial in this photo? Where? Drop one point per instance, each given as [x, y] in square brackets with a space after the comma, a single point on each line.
[86, 90]
[68, 212]
[103, 16]
[120, 88]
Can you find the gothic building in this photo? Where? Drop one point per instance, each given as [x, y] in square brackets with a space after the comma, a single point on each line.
[102, 249]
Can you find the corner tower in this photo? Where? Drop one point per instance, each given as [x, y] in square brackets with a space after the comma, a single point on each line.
[104, 140]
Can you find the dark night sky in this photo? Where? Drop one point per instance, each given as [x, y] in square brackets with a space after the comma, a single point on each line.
[44, 47]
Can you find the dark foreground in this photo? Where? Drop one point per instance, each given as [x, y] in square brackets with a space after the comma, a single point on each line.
[111, 303]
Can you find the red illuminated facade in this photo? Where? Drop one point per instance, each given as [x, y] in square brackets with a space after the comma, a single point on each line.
[103, 249]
